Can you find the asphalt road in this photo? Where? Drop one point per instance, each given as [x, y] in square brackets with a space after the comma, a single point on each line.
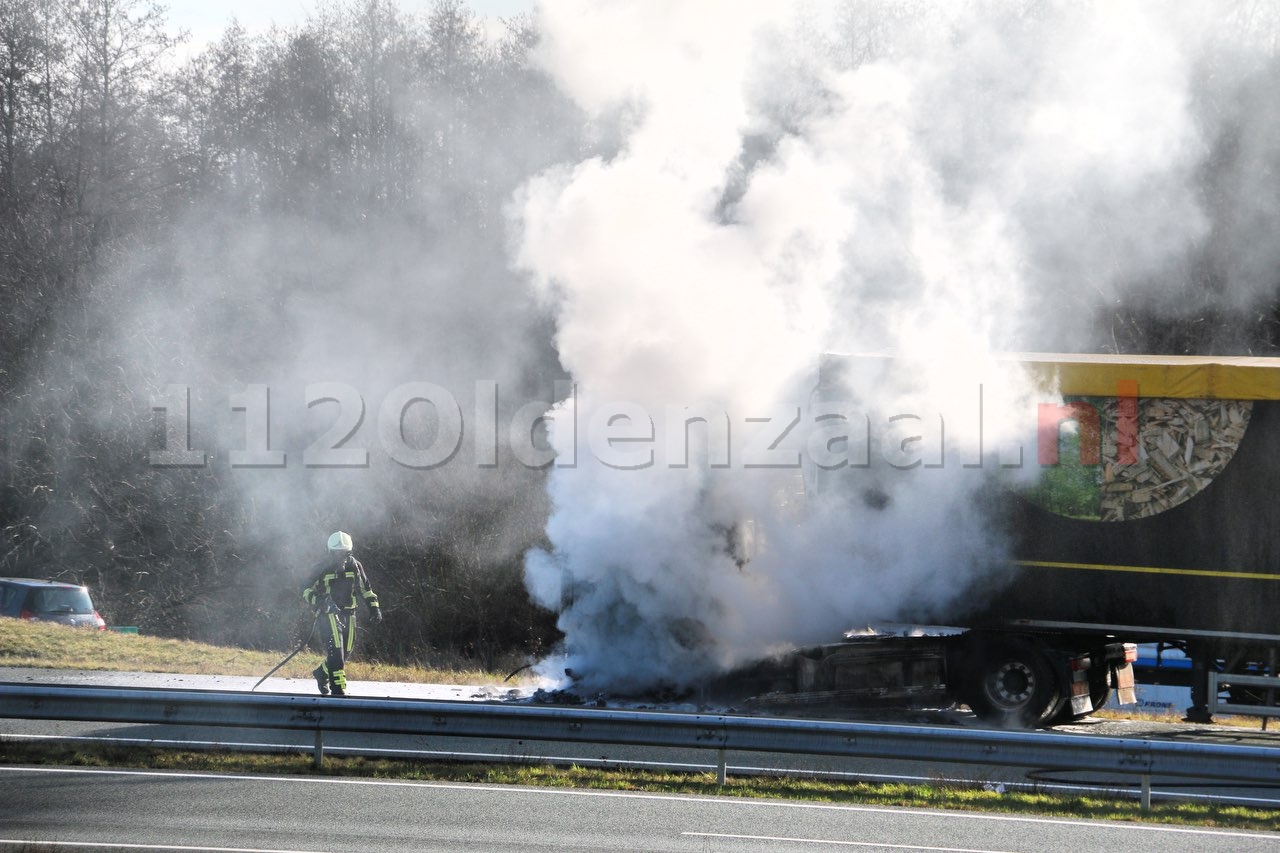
[69, 809]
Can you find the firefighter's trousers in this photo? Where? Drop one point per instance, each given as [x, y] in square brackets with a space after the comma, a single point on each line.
[340, 639]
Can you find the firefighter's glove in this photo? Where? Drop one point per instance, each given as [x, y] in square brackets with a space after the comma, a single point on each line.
[330, 606]
[377, 614]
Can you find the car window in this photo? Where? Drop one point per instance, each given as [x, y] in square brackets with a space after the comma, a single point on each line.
[60, 600]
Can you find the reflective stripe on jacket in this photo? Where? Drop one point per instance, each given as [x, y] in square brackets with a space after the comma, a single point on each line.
[341, 583]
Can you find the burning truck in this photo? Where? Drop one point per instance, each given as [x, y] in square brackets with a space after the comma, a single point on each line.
[1157, 525]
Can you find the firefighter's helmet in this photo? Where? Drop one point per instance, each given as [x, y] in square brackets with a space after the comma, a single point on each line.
[340, 542]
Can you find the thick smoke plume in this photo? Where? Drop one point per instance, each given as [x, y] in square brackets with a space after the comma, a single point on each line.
[263, 242]
[682, 206]
[943, 182]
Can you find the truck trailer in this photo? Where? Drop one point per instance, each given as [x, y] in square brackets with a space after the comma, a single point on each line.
[1153, 522]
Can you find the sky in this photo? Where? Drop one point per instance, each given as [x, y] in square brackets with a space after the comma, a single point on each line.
[205, 20]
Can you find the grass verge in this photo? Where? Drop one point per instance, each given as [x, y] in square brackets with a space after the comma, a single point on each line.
[46, 645]
[939, 795]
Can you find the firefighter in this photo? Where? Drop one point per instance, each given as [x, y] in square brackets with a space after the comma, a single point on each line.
[332, 595]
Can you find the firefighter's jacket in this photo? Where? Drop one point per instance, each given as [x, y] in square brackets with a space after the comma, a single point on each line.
[341, 583]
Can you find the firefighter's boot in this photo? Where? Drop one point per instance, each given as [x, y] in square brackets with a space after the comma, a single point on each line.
[322, 680]
[338, 682]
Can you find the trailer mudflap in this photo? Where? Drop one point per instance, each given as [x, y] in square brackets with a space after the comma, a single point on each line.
[1122, 681]
[1122, 676]
[1081, 700]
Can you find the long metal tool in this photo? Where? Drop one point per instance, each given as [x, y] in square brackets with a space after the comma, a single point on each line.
[302, 645]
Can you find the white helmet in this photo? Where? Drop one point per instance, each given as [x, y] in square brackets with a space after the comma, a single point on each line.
[340, 542]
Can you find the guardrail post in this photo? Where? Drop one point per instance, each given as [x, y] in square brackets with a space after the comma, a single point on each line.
[1146, 792]
[722, 769]
[317, 757]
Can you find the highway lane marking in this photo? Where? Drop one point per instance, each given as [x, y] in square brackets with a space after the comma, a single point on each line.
[98, 845]
[834, 842]
[728, 803]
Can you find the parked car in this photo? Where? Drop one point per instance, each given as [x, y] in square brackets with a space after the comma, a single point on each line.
[49, 601]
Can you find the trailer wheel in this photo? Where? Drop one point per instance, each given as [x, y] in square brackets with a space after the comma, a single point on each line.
[1100, 687]
[1016, 687]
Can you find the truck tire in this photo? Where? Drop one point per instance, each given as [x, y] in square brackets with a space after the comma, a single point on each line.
[1014, 686]
[1100, 687]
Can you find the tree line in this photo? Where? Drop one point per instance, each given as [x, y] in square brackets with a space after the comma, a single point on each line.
[133, 169]
[329, 201]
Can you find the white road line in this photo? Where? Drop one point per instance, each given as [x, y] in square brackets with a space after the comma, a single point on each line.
[99, 845]
[725, 802]
[834, 842]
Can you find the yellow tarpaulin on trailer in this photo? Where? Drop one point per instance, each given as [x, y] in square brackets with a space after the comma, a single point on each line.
[1190, 377]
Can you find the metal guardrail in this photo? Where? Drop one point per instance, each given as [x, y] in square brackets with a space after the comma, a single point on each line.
[1044, 750]
[1270, 683]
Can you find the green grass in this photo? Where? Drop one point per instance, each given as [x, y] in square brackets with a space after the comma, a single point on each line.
[41, 644]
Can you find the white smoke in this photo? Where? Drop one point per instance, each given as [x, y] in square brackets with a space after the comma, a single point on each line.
[947, 184]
